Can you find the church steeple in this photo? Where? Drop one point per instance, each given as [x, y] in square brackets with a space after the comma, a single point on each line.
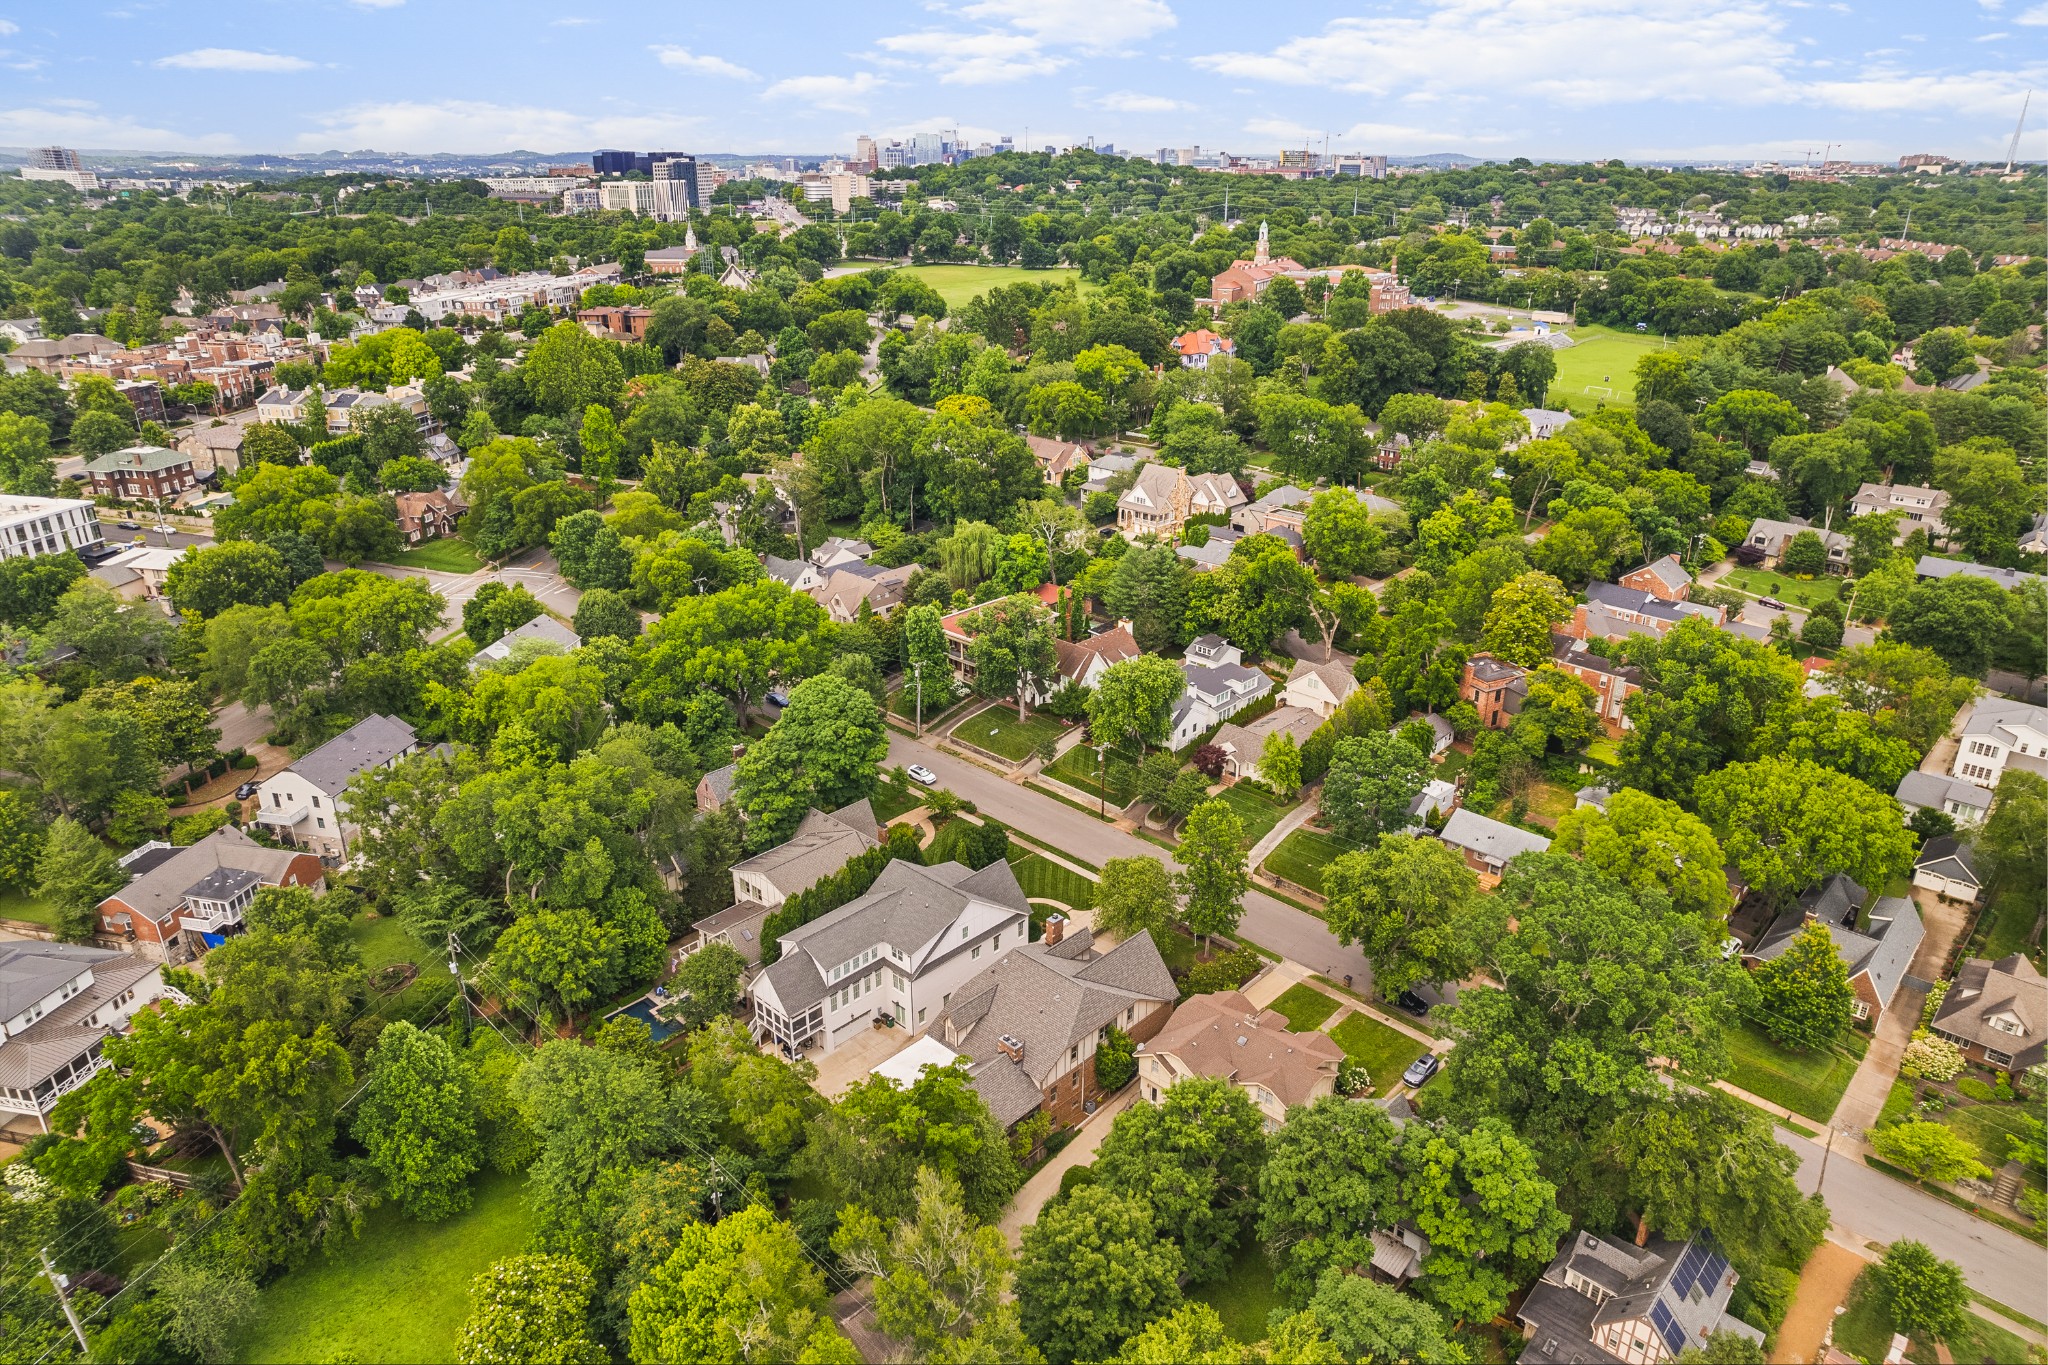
[1259, 256]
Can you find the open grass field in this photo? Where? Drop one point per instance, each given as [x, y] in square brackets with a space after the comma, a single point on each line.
[1807, 1083]
[957, 284]
[1865, 1330]
[22, 906]
[1259, 811]
[1245, 1294]
[1384, 1052]
[384, 941]
[1304, 1007]
[1044, 879]
[449, 556]
[1603, 359]
[1000, 732]
[1302, 856]
[1800, 592]
[400, 1292]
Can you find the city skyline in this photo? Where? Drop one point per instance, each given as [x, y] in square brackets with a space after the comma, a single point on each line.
[1639, 79]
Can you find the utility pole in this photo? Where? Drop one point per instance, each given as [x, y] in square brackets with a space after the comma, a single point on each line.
[70, 1314]
[917, 681]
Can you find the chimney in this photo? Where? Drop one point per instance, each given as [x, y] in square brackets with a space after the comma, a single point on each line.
[1055, 927]
[1642, 1230]
[1124, 623]
[738, 751]
[1011, 1048]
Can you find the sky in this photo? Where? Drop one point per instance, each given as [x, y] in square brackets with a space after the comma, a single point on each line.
[1639, 79]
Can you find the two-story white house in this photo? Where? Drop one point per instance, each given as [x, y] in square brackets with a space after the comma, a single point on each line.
[305, 804]
[1922, 508]
[1218, 686]
[1320, 687]
[899, 951]
[58, 1003]
[2001, 734]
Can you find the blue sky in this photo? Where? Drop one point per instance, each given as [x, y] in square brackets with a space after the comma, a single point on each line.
[1568, 78]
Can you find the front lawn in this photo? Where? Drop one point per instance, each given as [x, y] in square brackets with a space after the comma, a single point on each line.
[1303, 855]
[1986, 1127]
[446, 556]
[938, 703]
[889, 800]
[1798, 592]
[1259, 811]
[400, 1292]
[1384, 1052]
[1044, 879]
[1000, 732]
[1245, 1294]
[1865, 1330]
[2009, 923]
[1304, 1007]
[1076, 768]
[22, 906]
[1807, 1083]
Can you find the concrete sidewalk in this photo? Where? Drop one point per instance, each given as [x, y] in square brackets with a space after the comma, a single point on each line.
[1289, 823]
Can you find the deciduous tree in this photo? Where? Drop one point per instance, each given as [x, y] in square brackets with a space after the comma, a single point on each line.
[531, 1309]
[1409, 904]
[1372, 780]
[825, 752]
[1647, 843]
[1788, 823]
[1094, 1270]
[415, 1119]
[1213, 879]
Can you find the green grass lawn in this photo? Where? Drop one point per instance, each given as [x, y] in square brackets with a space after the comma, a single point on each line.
[1304, 1007]
[1076, 768]
[2009, 923]
[1000, 732]
[890, 800]
[398, 1293]
[22, 906]
[1302, 856]
[1799, 592]
[1603, 360]
[1245, 1294]
[448, 556]
[938, 703]
[1045, 879]
[1865, 1330]
[1605, 750]
[1986, 1127]
[1807, 1083]
[959, 284]
[384, 941]
[1384, 1052]
[1259, 811]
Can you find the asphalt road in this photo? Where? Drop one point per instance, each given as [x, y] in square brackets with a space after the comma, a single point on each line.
[1267, 922]
[1877, 1208]
[534, 570]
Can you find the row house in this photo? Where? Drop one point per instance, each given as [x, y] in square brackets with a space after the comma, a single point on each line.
[58, 1003]
[181, 901]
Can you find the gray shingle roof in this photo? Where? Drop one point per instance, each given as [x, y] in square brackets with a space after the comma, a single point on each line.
[1996, 716]
[1934, 790]
[541, 627]
[1490, 838]
[160, 892]
[1882, 953]
[908, 907]
[1951, 858]
[1933, 566]
[1984, 989]
[821, 846]
[369, 743]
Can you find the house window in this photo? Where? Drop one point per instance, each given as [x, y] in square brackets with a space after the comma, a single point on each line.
[1997, 1058]
[1860, 1009]
[976, 952]
[920, 1016]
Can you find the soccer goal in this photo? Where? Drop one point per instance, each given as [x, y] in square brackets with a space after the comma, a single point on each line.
[1601, 390]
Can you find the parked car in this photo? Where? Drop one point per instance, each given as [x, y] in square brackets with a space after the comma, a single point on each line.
[777, 697]
[245, 791]
[920, 773]
[1413, 1004]
[129, 525]
[1420, 1070]
[1773, 603]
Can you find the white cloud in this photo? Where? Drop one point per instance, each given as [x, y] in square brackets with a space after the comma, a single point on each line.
[570, 21]
[1092, 25]
[1893, 90]
[79, 123]
[682, 59]
[847, 94]
[2033, 18]
[480, 126]
[232, 59]
[8, 26]
[1399, 138]
[1989, 37]
[992, 58]
[1573, 52]
[378, 4]
[1131, 102]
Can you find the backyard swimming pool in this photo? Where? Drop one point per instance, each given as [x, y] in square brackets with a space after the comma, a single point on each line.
[643, 1010]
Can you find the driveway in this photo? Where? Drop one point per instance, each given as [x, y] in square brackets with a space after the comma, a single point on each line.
[1045, 1183]
[1271, 923]
[1864, 1099]
[1874, 1207]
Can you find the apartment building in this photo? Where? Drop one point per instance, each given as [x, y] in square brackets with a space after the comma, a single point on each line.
[142, 472]
[47, 526]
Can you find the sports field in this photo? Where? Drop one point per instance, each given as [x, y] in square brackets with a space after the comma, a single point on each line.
[1599, 368]
[956, 284]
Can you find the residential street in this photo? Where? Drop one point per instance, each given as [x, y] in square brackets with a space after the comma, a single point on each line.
[1877, 1208]
[532, 569]
[1268, 922]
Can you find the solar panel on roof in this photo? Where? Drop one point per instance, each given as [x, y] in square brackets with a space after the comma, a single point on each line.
[1710, 1274]
[1667, 1326]
[1689, 1266]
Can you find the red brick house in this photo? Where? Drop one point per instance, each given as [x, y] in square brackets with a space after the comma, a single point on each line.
[181, 901]
[427, 516]
[142, 472]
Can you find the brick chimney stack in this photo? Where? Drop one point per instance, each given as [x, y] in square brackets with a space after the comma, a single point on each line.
[1055, 928]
